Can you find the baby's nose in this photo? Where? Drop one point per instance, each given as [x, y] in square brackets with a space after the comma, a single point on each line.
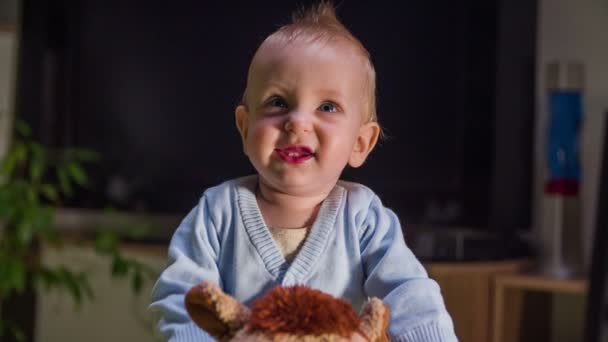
[298, 122]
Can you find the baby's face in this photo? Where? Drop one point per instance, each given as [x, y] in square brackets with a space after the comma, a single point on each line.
[304, 114]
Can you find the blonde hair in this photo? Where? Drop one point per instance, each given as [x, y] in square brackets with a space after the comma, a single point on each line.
[319, 23]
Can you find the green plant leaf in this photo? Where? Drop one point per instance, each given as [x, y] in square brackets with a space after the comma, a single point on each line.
[138, 232]
[120, 267]
[37, 164]
[16, 154]
[52, 237]
[41, 218]
[150, 272]
[12, 275]
[106, 243]
[38, 280]
[50, 192]
[31, 195]
[77, 173]
[46, 277]
[64, 181]
[86, 286]
[18, 275]
[137, 282]
[25, 233]
[23, 128]
[70, 281]
[6, 202]
[76, 284]
[37, 167]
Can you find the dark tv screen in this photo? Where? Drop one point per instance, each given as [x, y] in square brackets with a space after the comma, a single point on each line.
[153, 89]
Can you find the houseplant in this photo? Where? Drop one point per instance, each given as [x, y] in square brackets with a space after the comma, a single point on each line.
[34, 181]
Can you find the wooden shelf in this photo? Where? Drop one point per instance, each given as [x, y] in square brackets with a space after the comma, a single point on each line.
[478, 267]
[542, 283]
[523, 305]
[8, 28]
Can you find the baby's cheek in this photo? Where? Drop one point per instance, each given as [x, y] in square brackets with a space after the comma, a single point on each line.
[264, 135]
[274, 122]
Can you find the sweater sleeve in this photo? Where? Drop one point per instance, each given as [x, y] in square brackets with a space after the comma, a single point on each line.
[394, 274]
[193, 254]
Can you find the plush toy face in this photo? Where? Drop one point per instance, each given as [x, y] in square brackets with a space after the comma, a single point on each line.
[286, 314]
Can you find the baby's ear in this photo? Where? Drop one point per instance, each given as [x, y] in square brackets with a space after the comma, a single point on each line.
[366, 140]
[374, 317]
[241, 116]
[215, 312]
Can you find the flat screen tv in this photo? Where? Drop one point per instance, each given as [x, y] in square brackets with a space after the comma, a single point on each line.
[152, 86]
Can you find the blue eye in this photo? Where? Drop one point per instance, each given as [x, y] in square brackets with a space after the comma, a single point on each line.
[278, 102]
[328, 107]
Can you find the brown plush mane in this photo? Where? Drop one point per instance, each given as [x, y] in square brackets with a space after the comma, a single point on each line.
[302, 311]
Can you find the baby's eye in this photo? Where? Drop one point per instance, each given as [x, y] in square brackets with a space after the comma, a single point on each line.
[277, 102]
[328, 107]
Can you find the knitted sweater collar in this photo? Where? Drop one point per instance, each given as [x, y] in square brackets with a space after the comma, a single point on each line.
[269, 251]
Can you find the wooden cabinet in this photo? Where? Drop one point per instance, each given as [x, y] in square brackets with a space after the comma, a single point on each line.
[468, 289]
[523, 306]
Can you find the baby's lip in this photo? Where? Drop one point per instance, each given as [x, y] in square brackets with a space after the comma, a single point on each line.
[295, 154]
[298, 149]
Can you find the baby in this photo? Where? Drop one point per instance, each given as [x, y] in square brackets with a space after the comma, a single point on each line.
[308, 111]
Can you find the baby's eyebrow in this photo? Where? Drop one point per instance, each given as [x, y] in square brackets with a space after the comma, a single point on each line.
[273, 88]
[279, 84]
[330, 94]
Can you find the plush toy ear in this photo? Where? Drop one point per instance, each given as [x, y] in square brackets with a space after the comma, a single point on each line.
[220, 315]
[374, 320]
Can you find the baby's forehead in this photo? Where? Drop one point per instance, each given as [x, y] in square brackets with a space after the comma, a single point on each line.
[305, 39]
[274, 53]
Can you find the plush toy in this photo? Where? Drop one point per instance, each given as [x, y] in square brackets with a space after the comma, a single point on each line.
[286, 314]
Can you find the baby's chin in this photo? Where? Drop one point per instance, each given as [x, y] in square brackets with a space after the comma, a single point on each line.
[305, 186]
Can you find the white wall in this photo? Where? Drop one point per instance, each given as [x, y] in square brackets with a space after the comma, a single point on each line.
[9, 10]
[7, 71]
[116, 313]
[575, 30]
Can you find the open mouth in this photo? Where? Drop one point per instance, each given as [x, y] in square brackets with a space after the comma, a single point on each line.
[295, 154]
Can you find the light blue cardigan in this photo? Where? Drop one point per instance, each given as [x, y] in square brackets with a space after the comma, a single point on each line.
[355, 250]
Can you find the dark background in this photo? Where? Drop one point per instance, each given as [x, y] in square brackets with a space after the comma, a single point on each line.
[153, 85]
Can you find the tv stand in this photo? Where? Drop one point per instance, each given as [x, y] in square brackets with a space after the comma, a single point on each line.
[468, 291]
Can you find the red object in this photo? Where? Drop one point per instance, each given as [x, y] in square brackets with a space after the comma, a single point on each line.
[566, 187]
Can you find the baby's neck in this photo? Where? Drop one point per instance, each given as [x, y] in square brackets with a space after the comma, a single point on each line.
[281, 210]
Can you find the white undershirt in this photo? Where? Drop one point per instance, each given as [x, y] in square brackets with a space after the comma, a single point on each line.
[289, 240]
